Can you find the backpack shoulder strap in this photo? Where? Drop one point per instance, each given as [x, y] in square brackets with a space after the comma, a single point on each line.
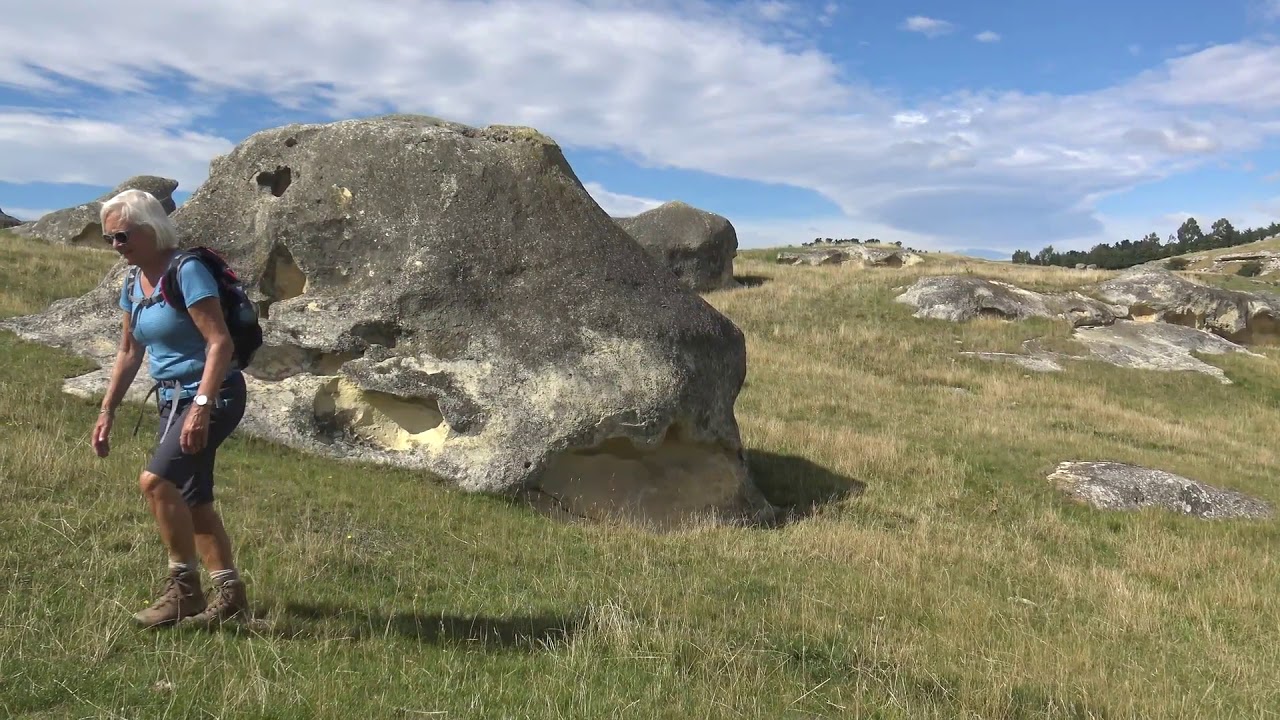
[170, 288]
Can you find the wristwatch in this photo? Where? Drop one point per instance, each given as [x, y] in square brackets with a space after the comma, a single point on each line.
[202, 400]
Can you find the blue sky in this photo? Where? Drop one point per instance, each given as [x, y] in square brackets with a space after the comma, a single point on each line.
[982, 125]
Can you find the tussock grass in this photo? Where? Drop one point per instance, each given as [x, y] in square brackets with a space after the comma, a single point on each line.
[939, 577]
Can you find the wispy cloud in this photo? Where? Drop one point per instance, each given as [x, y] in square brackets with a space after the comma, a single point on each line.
[987, 36]
[619, 204]
[931, 27]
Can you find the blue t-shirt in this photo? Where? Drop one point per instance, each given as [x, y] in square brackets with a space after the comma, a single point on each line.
[174, 343]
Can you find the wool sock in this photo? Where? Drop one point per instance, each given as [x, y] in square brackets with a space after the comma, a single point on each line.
[223, 576]
[183, 566]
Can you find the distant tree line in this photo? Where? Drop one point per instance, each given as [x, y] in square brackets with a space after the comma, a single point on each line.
[1188, 239]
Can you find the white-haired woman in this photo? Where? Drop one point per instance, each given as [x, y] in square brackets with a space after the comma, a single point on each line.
[201, 399]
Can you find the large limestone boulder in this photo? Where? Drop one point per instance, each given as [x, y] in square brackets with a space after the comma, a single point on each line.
[698, 246]
[80, 225]
[1157, 295]
[8, 221]
[450, 298]
[959, 298]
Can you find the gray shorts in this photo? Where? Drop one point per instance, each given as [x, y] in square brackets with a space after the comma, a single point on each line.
[193, 474]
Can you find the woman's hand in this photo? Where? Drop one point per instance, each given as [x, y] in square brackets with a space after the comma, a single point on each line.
[102, 435]
[195, 431]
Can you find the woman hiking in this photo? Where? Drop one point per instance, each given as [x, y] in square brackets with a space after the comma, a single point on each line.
[201, 399]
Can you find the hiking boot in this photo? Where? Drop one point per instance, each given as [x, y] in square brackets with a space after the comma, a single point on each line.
[181, 596]
[229, 601]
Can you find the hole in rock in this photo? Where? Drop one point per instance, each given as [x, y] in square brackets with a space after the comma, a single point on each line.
[291, 142]
[994, 313]
[91, 235]
[282, 279]
[385, 420]
[1263, 329]
[674, 482]
[276, 181]
[277, 362]
[377, 332]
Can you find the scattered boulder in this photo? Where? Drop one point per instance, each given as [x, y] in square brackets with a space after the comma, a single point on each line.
[450, 298]
[959, 298]
[80, 225]
[8, 221]
[1269, 260]
[857, 256]
[698, 246]
[1156, 295]
[1118, 486]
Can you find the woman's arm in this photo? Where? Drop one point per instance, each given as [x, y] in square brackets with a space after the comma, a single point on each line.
[128, 360]
[207, 315]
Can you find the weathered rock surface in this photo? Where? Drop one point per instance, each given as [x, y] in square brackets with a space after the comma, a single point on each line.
[1157, 346]
[1156, 295]
[961, 298]
[8, 221]
[450, 298]
[698, 246]
[1117, 486]
[80, 225]
[1128, 344]
[856, 256]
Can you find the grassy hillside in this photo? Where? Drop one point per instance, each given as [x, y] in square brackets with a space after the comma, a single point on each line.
[944, 578]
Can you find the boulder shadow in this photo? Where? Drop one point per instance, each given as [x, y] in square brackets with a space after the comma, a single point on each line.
[750, 281]
[796, 486]
[293, 620]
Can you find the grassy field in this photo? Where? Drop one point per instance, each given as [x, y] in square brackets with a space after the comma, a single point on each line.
[941, 576]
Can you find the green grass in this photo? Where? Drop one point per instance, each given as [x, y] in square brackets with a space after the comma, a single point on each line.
[945, 579]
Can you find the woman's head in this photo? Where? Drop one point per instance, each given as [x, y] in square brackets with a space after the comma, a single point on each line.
[136, 225]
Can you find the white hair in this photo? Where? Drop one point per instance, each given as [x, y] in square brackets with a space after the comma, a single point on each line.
[141, 208]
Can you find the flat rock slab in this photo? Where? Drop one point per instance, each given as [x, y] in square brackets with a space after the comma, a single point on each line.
[1157, 346]
[1118, 486]
[959, 298]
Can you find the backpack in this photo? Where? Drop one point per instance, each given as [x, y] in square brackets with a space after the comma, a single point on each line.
[238, 310]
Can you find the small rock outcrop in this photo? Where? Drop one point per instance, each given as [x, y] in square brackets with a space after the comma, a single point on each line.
[1268, 260]
[8, 221]
[856, 256]
[450, 298]
[1156, 295]
[81, 225]
[1118, 486]
[696, 245]
[960, 298]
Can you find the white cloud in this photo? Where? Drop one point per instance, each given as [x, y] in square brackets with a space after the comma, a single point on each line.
[668, 85]
[26, 214]
[987, 36]
[618, 204]
[61, 149]
[932, 27]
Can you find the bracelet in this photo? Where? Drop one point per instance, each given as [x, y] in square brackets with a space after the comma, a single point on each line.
[112, 413]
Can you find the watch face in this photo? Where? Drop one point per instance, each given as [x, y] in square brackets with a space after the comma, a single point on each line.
[202, 400]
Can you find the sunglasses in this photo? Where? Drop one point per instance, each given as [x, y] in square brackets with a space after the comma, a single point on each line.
[120, 237]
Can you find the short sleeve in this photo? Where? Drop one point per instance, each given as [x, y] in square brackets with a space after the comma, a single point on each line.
[196, 281]
[126, 302]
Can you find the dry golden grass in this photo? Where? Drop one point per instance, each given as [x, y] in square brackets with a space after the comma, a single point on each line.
[944, 578]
